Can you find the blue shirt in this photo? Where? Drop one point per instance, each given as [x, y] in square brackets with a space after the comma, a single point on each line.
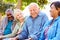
[32, 27]
[8, 27]
[53, 32]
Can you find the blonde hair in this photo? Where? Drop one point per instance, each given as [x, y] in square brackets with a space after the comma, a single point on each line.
[17, 11]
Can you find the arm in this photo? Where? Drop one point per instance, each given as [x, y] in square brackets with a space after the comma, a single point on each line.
[42, 33]
[57, 37]
[24, 33]
[44, 19]
[13, 33]
[35, 36]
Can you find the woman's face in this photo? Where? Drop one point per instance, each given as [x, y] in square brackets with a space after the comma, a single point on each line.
[19, 16]
[53, 11]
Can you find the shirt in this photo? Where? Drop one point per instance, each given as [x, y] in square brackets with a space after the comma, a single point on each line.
[33, 27]
[53, 32]
[8, 27]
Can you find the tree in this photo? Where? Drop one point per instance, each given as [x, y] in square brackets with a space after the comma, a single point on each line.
[4, 6]
[21, 4]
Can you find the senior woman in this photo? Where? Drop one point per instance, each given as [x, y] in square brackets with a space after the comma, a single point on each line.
[51, 30]
[20, 20]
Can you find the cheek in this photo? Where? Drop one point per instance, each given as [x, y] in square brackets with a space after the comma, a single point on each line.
[52, 11]
[37, 10]
[17, 17]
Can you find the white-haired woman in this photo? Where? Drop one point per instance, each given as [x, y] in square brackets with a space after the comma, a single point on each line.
[20, 20]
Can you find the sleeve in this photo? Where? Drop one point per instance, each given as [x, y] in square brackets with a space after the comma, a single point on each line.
[35, 37]
[24, 33]
[13, 33]
[57, 37]
[3, 24]
[44, 19]
[42, 33]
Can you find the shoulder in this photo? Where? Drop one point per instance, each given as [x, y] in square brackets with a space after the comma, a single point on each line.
[17, 25]
[5, 18]
[27, 18]
[58, 22]
[42, 13]
[47, 23]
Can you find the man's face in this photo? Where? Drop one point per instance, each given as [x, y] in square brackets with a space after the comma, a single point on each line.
[9, 15]
[34, 11]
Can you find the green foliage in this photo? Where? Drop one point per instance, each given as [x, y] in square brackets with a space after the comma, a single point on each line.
[10, 1]
[4, 4]
[41, 3]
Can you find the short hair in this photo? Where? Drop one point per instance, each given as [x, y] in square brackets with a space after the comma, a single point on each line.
[33, 3]
[57, 5]
[9, 10]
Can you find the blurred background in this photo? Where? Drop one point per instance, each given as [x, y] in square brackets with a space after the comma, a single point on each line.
[23, 5]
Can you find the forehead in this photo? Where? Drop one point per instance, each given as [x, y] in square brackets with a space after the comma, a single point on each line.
[18, 14]
[52, 6]
[33, 7]
[8, 13]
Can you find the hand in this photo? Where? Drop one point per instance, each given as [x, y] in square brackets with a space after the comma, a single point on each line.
[46, 39]
[29, 39]
[19, 32]
[13, 38]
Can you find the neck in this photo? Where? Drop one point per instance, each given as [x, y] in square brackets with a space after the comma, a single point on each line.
[11, 19]
[21, 21]
[55, 17]
[35, 17]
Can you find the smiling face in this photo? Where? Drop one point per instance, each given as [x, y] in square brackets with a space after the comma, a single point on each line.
[53, 11]
[9, 16]
[19, 17]
[34, 10]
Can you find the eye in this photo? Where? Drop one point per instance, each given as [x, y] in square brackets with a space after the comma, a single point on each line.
[8, 14]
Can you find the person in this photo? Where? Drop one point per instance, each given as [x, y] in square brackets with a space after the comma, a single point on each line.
[20, 20]
[51, 28]
[33, 25]
[8, 22]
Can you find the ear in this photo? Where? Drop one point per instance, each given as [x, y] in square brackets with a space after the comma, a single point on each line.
[59, 9]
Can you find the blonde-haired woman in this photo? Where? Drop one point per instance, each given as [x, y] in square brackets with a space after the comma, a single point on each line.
[20, 20]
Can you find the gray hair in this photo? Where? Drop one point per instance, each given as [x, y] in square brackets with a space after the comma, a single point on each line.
[9, 10]
[33, 4]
